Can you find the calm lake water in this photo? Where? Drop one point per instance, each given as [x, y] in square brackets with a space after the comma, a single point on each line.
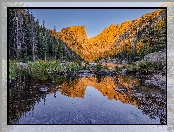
[53, 99]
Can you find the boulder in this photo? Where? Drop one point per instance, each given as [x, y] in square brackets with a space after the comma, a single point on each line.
[155, 57]
[24, 65]
[123, 71]
[84, 71]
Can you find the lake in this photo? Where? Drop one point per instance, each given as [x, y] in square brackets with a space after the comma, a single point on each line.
[53, 99]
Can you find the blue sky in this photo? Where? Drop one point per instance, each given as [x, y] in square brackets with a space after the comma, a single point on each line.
[95, 20]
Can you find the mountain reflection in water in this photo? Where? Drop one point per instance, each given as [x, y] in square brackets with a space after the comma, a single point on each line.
[87, 100]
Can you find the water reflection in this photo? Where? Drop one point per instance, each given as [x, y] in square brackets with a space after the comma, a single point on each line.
[28, 96]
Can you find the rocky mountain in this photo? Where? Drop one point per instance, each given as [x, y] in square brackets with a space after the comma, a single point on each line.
[126, 39]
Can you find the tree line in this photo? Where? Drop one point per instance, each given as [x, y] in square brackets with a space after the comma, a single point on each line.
[30, 41]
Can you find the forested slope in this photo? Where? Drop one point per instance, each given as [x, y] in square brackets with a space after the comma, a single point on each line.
[29, 40]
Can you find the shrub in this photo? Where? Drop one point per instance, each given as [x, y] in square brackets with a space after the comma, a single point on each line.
[68, 67]
[12, 66]
[98, 66]
[39, 65]
[75, 66]
[105, 67]
[87, 66]
[149, 65]
[79, 62]
[134, 64]
[117, 68]
[12, 69]
[141, 65]
[158, 66]
[15, 70]
[55, 66]
[146, 67]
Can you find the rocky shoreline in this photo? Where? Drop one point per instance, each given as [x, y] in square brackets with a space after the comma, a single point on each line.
[157, 78]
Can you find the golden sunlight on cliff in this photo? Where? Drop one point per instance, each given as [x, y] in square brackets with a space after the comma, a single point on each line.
[110, 41]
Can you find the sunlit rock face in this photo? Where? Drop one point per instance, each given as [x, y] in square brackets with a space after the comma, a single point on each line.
[112, 40]
[73, 35]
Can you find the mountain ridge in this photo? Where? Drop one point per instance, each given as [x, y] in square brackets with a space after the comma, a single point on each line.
[111, 40]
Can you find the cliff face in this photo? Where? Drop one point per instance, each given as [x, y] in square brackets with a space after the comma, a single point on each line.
[114, 39]
[75, 37]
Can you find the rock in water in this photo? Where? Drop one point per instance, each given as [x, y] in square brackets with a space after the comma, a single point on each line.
[124, 71]
[45, 89]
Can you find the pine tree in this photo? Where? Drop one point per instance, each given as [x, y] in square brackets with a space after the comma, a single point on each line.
[11, 34]
[33, 35]
[27, 36]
